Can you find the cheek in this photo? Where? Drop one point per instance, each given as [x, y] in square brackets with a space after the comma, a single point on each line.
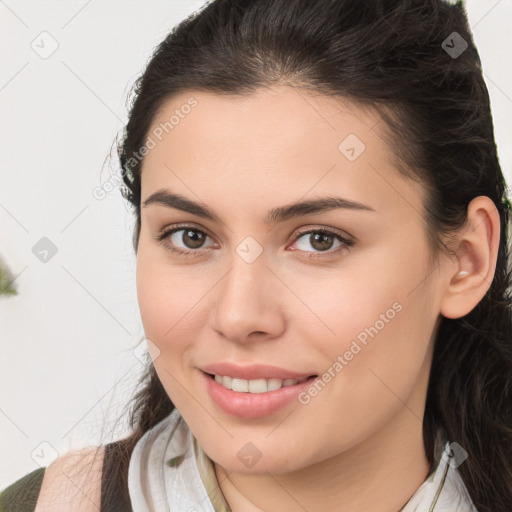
[167, 315]
[174, 306]
[156, 306]
[375, 326]
[164, 295]
[382, 301]
[361, 327]
[373, 365]
[165, 307]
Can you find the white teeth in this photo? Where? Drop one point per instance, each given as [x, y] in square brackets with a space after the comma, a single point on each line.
[274, 384]
[239, 385]
[256, 385]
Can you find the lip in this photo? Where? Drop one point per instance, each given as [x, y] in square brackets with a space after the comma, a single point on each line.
[252, 372]
[252, 405]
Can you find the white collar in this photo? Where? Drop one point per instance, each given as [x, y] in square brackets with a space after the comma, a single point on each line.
[156, 486]
[189, 482]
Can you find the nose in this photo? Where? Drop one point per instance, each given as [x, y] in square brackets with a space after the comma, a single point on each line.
[248, 303]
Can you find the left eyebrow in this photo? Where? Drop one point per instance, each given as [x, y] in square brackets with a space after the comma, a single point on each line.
[280, 214]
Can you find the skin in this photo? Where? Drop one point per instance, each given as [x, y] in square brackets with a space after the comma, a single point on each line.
[357, 445]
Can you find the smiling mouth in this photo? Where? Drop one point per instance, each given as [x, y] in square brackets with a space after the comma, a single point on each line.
[255, 385]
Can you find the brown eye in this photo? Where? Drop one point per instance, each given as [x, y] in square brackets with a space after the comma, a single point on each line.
[321, 240]
[183, 240]
[189, 241]
[193, 239]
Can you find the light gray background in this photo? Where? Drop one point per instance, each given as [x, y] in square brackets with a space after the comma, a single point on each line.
[67, 366]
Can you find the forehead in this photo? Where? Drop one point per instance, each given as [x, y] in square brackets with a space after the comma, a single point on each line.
[225, 122]
[279, 141]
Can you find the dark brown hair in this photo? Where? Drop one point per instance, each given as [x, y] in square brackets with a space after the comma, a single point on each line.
[392, 56]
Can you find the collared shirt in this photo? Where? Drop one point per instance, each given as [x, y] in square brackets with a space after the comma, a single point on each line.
[170, 471]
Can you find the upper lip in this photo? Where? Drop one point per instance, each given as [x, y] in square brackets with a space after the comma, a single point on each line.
[253, 371]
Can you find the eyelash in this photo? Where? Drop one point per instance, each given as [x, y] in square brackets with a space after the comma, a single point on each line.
[161, 237]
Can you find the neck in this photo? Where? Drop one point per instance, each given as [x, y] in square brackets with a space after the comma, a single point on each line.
[381, 474]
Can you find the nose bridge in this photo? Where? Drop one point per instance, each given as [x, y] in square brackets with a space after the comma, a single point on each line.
[246, 300]
[247, 274]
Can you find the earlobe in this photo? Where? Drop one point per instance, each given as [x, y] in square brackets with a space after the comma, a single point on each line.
[470, 276]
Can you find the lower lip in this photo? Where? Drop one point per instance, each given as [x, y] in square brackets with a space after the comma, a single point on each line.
[252, 405]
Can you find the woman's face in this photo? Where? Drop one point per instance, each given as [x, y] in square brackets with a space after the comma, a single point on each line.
[359, 314]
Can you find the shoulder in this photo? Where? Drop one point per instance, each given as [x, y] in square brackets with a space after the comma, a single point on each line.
[73, 482]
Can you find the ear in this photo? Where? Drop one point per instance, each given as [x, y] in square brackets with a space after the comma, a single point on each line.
[470, 275]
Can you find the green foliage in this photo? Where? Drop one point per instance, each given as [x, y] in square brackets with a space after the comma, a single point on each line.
[7, 286]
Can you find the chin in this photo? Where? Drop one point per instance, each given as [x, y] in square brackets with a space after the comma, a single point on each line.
[257, 466]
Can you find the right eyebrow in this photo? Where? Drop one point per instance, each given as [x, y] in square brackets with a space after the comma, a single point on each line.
[279, 214]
